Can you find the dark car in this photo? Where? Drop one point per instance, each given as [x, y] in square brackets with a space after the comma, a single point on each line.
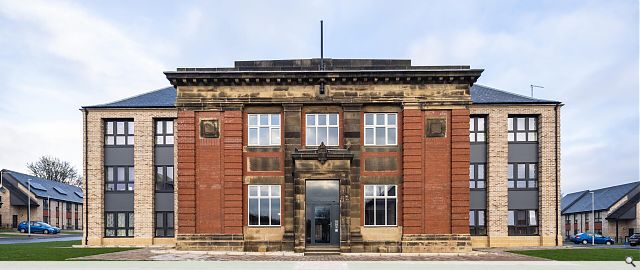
[634, 239]
[38, 227]
[587, 238]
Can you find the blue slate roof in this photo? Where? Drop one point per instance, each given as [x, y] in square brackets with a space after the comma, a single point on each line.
[45, 188]
[627, 211]
[569, 199]
[161, 98]
[481, 94]
[604, 198]
[166, 98]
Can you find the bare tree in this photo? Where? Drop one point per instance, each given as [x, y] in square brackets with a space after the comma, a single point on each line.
[53, 168]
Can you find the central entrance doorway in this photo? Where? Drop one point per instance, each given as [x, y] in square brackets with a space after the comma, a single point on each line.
[322, 213]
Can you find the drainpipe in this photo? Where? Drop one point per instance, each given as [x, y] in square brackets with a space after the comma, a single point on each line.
[86, 181]
[557, 178]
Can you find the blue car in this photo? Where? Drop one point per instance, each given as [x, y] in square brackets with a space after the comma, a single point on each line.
[38, 227]
[586, 238]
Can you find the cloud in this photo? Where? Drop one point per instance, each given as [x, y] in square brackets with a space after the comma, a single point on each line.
[62, 56]
[586, 57]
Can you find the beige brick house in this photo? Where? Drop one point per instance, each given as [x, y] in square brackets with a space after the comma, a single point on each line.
[616, 211]
[364, 155]
[52, 202]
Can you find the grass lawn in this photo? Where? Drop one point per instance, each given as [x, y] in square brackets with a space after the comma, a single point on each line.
[582, 254]
[49, 251]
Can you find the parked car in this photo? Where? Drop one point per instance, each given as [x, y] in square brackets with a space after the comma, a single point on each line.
[586, 238]
[38, 227]
[634, 239]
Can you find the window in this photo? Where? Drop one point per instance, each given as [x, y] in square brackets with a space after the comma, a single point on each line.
[58, 213]
[45, 211]
[477, 129]
[119, 132]
[68, 215]
[477, 176]
[164, 132]
[477, 222]
[77, 217]
[164, 224]
[264, 129]
[598, 217]
[322, 128]
[119, 178]
[523, 222]
[164, 178]
[264, 205]
[586, 221]
[380, 205]
[118, 224]
[522, 175]
[380, 129]
[522, 129]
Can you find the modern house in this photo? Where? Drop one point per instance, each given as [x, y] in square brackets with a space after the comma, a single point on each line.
[341, 155]
[615, 211]
[53, 202]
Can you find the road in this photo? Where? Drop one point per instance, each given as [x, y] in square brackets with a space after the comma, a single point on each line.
[17, 238]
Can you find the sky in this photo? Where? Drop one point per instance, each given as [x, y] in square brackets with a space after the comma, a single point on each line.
[56, 56]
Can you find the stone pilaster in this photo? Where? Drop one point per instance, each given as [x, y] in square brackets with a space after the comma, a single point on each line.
[292, 140]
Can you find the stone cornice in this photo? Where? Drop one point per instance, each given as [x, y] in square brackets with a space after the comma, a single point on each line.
[333, 77]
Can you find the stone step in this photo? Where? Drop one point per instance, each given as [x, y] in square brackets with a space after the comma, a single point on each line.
[210, 237]
[319, 251]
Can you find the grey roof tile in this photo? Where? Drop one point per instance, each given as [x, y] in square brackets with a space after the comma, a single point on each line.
[161, 98]
[571, 198]
[627, 210]
[604, 198]
[45, 188]
[481, 94]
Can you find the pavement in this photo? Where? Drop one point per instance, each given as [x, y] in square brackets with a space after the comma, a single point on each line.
[156, 254]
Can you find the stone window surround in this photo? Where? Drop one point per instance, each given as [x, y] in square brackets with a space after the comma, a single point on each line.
[317, 126]
[385, 125]
[269, 126]
[374, 196]
[270, 196]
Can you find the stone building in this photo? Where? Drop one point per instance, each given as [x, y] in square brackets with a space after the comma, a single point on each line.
[52, 202]
[616, 210]
[357, 156]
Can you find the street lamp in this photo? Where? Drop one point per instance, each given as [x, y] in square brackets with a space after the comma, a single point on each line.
[1, 182]
[593, 218]
[29, 206]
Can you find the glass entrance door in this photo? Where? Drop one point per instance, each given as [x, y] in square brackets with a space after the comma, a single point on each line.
[322, 213]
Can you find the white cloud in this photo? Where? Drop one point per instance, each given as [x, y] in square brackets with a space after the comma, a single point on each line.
[62, 57]
[584, 59]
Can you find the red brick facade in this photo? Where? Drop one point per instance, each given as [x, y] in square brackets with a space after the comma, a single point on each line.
[436, 174]
[216, 180]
